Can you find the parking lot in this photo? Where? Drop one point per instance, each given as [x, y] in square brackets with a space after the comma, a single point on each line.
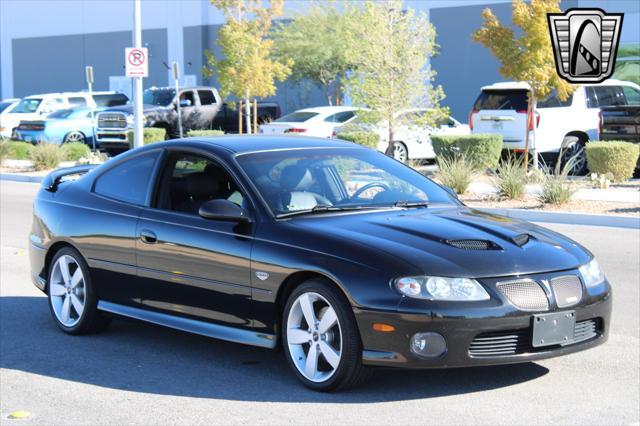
[137, 373]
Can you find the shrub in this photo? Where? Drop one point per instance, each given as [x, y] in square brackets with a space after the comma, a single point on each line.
[154, 134]
[46, 156]
[204, 133]
[18, 150]
[456, 172]
[556, 188]
[4, 150]
[511, 178]
[482, 150]
[74, 151]
[361, 137]
[617, 158]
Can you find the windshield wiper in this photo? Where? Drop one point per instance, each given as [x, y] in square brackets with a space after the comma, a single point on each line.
[411, 204]
[323, 208]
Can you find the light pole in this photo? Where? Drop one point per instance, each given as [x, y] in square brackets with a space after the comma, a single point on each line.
[138, 132]
[176, 79]
[89, 77]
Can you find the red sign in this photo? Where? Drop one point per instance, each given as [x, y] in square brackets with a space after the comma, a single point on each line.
[136, 62]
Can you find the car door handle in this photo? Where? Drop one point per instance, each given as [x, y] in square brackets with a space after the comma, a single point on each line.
[148, 236]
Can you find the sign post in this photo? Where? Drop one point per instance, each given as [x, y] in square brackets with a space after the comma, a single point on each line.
[137, 67]
[176, 79]
[88, 70]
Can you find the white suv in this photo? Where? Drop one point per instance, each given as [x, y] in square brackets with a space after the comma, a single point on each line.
[559, 125]
[38, 106]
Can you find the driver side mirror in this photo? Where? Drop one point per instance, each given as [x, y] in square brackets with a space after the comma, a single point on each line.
[223, 210]
[185, 103]
[451, 191]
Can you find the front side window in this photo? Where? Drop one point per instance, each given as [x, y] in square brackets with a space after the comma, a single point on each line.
[191, 180]
[188, 96]
[336, 178]
[632, 95]
[78, 101]
[128, 181]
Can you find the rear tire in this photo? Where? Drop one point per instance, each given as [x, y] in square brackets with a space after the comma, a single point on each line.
[332, 341]
[74, 136]
[73, 298]
[400, 152]
[573, 148]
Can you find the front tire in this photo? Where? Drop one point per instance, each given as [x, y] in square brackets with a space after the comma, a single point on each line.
[321, 339]
[72, 296]
[400, 152]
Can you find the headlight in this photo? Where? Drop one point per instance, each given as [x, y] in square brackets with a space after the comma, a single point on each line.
[441, 288]
[591, 273]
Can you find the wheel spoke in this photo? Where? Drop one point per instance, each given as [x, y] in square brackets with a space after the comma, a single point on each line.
[296, 336]
[65, 311]
[330, 354]
[311, 366]
[76, 278]
[63, 263]
[327, 321]
[77, 305]
[57, 290]
[307, 310]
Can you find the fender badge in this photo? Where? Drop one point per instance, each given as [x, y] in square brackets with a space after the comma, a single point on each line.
[262, 275]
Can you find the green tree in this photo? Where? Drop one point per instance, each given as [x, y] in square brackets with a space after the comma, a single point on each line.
[317, 41]
[391, 62]
[246, 69]
[528, 57]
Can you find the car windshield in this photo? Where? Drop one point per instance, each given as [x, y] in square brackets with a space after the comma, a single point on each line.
[27, 106]
[296, 117]
[161, 97]
[313, 180]
[111, 100]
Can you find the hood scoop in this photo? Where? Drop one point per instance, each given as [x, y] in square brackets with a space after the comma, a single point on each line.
[521, 239]
[469, 244]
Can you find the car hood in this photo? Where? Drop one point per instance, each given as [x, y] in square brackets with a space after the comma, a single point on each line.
[440, 241]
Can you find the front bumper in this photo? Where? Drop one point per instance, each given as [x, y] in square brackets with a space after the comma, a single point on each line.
[496, 319]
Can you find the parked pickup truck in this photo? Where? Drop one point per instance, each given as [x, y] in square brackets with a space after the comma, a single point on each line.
[201, 109]
[620, 123]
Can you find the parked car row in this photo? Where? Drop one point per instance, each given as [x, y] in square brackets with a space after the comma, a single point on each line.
[560, 126]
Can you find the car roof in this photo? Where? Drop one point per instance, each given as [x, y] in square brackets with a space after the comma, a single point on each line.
[242, 144]
[328, 109]
[514, 85]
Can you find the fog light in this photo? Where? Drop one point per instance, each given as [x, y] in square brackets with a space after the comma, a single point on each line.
[428, 344]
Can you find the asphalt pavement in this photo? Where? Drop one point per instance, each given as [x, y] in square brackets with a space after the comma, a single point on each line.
[137, 373]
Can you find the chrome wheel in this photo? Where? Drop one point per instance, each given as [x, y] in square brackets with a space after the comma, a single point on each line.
[577, 157]
[67, 290]
[400, 152]
[74, 137]
[314, 337]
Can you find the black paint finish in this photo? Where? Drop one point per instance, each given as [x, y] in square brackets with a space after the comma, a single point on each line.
[185, 271]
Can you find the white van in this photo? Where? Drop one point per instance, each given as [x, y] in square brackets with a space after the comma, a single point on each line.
[38, 106]
[567, 125]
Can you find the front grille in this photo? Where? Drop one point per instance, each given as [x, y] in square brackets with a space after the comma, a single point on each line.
[567, 289]
[514, 342]
[525, 294]
[472, 244]
[112, 121]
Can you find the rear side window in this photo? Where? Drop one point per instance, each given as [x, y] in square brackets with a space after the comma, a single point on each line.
[296, 117]
[502, 100]
[609, 96]
[632, 95]
[78, 102]
[552, 101]
[128, 181]
[206, 97]
[340, 117]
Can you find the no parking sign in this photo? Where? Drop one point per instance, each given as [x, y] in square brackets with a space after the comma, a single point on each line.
[136, 61]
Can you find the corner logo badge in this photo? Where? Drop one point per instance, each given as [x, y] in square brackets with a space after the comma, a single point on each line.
[585, 43]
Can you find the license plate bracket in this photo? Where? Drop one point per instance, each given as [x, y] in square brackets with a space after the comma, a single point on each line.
[556, 328]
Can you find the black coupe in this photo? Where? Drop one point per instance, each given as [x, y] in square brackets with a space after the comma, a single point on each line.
[344, 256]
